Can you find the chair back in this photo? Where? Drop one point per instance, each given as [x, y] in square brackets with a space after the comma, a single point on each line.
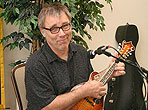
[17, 77]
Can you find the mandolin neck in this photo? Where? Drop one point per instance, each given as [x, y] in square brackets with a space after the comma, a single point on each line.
[108, 73]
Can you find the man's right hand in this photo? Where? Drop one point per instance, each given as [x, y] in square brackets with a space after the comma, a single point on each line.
[94, 89]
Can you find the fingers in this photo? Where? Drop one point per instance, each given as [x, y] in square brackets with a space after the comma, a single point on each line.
[101, 91]
[119, 69]
[96, 89]
[116, 55]
[119, 73]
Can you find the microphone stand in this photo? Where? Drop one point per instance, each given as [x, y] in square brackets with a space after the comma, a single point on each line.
[137, 66]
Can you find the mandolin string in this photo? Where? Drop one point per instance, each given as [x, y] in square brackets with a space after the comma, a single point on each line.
[108, 74]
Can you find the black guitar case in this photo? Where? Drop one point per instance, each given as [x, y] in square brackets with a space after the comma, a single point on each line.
[125, 92]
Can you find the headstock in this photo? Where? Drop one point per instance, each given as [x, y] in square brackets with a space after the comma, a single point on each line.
[126, 48]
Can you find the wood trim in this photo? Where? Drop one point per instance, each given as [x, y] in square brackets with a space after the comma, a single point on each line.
[15, 86]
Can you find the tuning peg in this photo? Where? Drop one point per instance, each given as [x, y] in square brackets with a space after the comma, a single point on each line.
[130, 53]
[127, 55]
[118, 50]
[132, 48]
[119, 47]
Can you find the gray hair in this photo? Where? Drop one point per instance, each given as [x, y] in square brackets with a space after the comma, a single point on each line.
[52, 10]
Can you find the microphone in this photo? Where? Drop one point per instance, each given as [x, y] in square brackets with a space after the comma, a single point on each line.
[99, 51]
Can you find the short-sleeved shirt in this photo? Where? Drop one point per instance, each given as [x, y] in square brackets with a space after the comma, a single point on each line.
[47, 75]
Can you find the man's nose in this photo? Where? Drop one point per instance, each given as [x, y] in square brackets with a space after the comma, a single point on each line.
[61, 32]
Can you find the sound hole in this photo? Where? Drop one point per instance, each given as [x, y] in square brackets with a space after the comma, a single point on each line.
[89, 101]
[98, 101]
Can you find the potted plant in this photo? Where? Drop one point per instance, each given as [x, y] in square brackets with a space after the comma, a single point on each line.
[24, 14]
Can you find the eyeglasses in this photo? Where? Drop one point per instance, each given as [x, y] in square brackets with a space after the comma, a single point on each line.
[55, 30]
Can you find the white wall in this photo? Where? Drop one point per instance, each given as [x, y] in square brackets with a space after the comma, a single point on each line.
[131, 11]
[11, 57]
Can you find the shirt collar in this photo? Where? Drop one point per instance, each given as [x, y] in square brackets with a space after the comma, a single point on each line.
[51, 56]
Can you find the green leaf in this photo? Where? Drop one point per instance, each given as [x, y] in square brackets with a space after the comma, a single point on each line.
[13, 45]
[92, 19]
[2, 4]
[35, 17]
[2, 41]
[16, 63]
[21, 35]
[95, 27]
[2, 13]
[5, 39]
[108, 1]
[17, 21]
[25, 29]
[27, 40]
[35, 25]
[63, 2]
[21, 27]
[99, 5]
[6, 46]
[53, 0]
[6, 20]
[12, 35]
[12, 65]
[73, 11]
[27, 46]
[98, 22]
[30, 34]
[17, 11]
[21, 45]
[33, 21]
[88, 35]
[29, 27]
[90, 25]
[19, 62]
[79, 40]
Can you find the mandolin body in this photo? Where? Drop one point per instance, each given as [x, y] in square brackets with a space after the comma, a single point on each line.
[89, 103]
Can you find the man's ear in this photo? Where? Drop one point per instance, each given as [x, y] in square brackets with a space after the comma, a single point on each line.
[43, 32]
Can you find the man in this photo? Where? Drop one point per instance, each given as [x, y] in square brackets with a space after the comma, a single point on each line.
[59, 65]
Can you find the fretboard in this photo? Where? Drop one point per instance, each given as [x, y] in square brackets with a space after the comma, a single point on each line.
[108, 73]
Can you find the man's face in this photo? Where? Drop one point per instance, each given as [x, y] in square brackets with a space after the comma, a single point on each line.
[58, 41]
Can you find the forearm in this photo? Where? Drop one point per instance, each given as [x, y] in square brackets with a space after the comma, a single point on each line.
[66, 101]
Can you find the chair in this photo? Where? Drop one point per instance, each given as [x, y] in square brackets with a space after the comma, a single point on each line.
[17, 77]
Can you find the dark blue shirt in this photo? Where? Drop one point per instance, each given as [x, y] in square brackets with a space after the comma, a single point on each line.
[47, 75]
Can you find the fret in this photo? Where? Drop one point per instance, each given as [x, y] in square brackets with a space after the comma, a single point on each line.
[108, 73]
